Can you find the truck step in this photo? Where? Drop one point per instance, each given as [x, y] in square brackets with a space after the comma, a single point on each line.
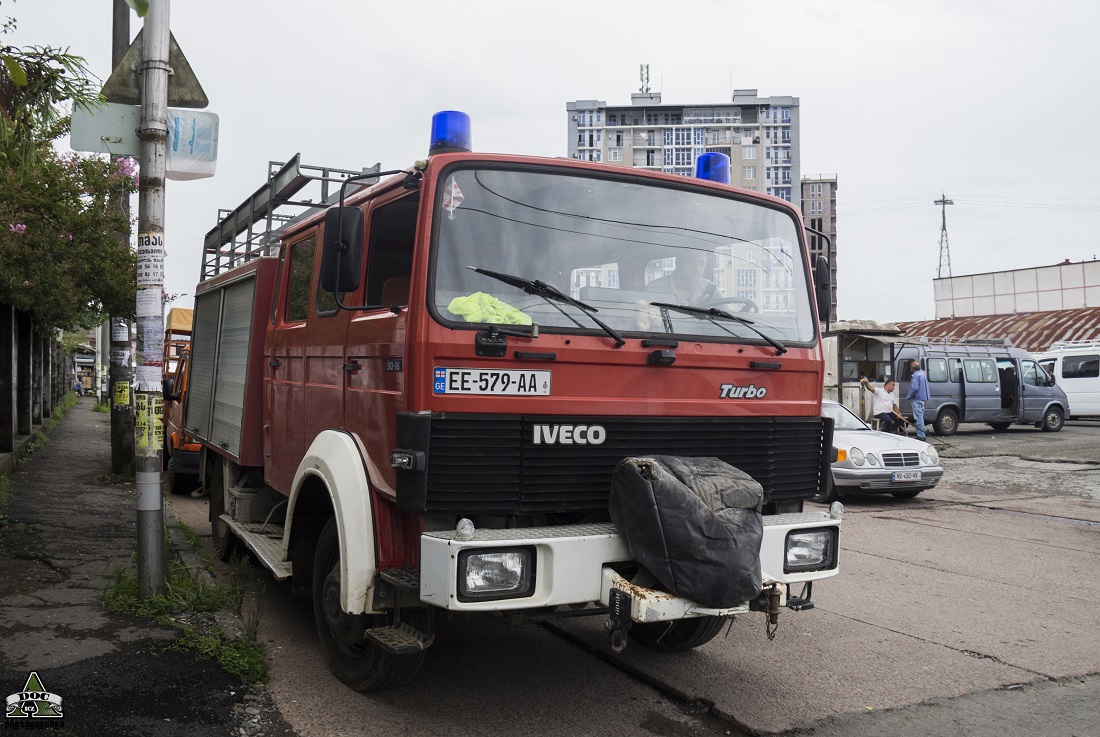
[267, 545]
[403, 579]
[399, 639]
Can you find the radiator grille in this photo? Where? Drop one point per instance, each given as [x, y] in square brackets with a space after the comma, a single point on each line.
[490, 464]
[901, 460]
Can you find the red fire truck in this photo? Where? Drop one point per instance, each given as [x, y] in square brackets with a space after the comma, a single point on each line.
[413, 395]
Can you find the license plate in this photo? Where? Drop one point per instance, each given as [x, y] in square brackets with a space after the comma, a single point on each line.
[906, 476]
[491, 381]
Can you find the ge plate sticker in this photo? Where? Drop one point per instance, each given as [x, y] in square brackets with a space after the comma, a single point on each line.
[491, 381]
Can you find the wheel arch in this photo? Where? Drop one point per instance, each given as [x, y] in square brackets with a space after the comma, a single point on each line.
[331, 480]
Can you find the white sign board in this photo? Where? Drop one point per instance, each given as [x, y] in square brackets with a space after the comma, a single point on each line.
[108, 130]
[192, 144]
[192, 137]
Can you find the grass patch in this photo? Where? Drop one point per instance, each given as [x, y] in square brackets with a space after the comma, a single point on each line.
[104, 407]
[189, 592]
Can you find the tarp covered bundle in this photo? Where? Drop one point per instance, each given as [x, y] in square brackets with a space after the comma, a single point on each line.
[694, 523]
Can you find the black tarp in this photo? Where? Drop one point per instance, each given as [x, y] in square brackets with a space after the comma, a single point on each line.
[694, 523]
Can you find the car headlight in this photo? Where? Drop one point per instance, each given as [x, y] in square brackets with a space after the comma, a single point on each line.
[872, 459]
[857, 456]
[925, 459]
[933, 455]
[496, 573]
[811, 550]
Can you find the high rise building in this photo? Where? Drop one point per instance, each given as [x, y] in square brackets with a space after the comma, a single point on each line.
[759, 134]
[819, 213]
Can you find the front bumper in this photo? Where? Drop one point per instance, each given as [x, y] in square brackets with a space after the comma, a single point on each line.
[882, 479]
[570, 567]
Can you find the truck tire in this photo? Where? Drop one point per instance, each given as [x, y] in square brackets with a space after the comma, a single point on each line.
[358, 662]
[678, 635]
[1000, 426]
[947, 422]
[1053, 420]
[829, 495]
[225, 542]
[175, 483]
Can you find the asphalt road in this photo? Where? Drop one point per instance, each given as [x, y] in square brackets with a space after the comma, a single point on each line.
[972, 609]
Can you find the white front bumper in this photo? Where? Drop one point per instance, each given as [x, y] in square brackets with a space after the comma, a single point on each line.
[570, 560]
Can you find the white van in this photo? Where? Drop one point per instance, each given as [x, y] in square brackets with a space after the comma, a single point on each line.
[1075, 365]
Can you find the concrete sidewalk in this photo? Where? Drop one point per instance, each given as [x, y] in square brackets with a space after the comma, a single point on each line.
[67, 528]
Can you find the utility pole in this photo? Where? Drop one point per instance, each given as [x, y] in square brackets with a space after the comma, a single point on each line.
[148, 400]
[118, 331]
[945, 252]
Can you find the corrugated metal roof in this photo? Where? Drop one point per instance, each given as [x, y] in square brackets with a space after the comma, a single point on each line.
[1033, 331]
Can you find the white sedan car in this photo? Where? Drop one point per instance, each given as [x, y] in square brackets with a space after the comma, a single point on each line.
[872, 462]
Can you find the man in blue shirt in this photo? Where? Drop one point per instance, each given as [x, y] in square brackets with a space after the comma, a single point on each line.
[918, 394]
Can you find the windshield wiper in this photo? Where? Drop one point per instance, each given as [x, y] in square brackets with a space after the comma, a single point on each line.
[713, 312]
[550, 292]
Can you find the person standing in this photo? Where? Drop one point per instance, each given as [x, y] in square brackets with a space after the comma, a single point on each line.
[884, 409]
[918, 395]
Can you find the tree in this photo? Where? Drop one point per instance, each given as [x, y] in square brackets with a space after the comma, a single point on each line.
[61, 258]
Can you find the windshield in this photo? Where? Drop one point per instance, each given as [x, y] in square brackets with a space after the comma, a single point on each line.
[617, 247]
[842, 417]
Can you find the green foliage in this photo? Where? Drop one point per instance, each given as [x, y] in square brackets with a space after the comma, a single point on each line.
[104, 407]
[188, 590]
[141, 7]
[64, 252]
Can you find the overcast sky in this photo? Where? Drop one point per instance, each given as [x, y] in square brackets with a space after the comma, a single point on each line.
[992, 103]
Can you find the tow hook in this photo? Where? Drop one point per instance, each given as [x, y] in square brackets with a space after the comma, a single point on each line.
[618, 618]
[772, 592]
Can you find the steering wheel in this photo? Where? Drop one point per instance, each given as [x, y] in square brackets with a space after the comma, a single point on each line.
[747, 305]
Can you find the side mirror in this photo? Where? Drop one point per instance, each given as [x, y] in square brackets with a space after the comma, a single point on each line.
[823, 288]
[343, 249]
[167, 385]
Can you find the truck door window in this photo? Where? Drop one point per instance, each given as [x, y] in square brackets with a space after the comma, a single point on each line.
[389, 258]
[1081, 367]
[1033, 375]
[980, 370]
[937, 369]
[299, 279]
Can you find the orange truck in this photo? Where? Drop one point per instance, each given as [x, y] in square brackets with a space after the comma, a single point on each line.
[181, 451]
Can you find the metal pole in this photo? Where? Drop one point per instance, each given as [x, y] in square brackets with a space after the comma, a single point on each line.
[121, 375]
[148, 400]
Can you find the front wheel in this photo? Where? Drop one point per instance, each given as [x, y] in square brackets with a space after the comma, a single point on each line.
[999, 426]
[947, 422]
[677, 635]
[360, 663]
[1053, 420]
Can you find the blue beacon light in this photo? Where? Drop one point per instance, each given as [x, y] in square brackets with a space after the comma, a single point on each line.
[450, 132]
[714, 167]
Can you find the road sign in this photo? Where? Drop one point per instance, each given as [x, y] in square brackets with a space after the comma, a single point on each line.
[111, 129]
[124, 84]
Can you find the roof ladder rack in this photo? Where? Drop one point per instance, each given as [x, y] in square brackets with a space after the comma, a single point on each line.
[236, 239]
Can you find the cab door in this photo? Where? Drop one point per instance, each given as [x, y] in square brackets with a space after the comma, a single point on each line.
[285, 373]
[376, 338]
[1035, 391]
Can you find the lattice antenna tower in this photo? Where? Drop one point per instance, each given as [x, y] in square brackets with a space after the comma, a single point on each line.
[945, 252]
[645, 78]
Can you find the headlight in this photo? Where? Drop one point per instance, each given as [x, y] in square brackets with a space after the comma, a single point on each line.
[496, 573]
[811, 550]
[925, 459]
[872, 459]
[857, 456]
[933, 455]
